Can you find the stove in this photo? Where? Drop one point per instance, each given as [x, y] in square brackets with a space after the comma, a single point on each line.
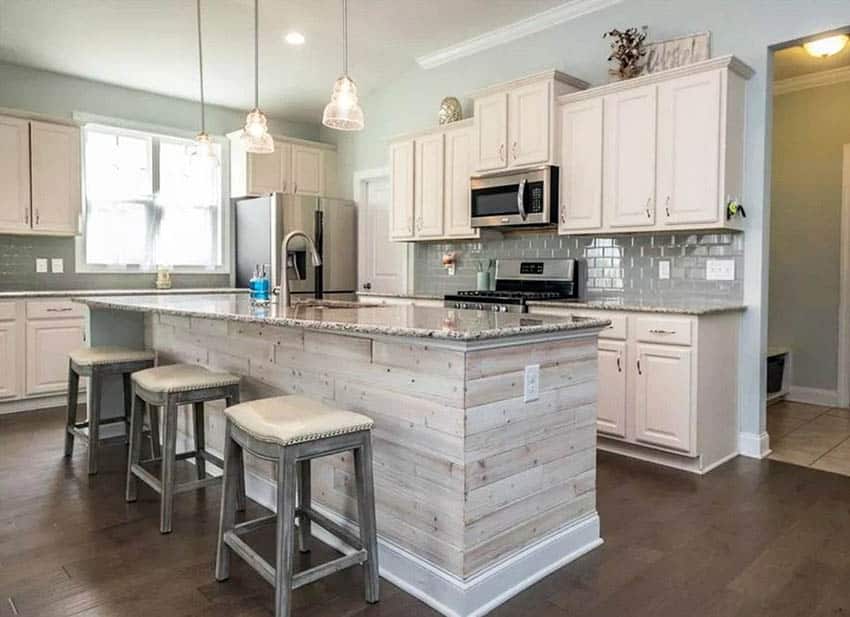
[521, 280]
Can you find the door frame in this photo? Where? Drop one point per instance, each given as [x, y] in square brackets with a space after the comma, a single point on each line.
[361, 179]
[844, 286]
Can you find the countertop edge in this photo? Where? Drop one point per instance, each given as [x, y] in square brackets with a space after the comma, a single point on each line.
[75, 293]
[637, 308]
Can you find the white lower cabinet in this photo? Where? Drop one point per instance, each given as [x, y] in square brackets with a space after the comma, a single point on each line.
[611, 405]
[49, 342]
[663, 401]
[8, 358]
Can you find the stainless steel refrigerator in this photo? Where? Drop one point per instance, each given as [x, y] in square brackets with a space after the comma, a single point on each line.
[261, 223]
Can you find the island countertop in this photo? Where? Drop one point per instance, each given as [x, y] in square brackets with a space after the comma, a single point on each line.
[367, 319]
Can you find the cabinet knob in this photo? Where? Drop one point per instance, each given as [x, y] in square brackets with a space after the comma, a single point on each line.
[367, 286]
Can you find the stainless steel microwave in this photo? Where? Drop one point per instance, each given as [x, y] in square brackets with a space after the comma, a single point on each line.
[515, 198]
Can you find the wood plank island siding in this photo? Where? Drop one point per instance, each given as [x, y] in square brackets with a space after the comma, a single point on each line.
[466, 473]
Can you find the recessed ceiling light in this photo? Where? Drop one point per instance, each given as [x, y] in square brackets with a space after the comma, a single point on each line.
[295, 38]
[829, 46]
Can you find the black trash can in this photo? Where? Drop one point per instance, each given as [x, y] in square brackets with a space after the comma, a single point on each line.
[775, 371]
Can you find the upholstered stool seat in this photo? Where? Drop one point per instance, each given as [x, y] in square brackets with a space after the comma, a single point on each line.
[291, 431]
[167, 387]
[97, 363]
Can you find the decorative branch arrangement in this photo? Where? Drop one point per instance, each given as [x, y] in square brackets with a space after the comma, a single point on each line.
[627, 50]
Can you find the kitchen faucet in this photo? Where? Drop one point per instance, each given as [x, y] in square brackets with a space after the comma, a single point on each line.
[284, 279]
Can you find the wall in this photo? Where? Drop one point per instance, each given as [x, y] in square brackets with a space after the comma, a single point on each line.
[58, 95]
[810, 128]
[743, 27]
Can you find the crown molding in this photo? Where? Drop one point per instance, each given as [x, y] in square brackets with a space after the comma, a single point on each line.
[812, 80]
[517, 30]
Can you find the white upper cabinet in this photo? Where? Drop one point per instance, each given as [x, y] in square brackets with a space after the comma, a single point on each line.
[269, 172]
[401, 191]
[529, 108]
[491, 132]
[55, 176]
[428, 186]
[689, 149]
[14, 175]
[306, 170]
[629, 167]
[458, 168]
[580, 194]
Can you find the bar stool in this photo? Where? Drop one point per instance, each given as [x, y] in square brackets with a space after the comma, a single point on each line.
[97, 363]
[168, 387]
[290, 431]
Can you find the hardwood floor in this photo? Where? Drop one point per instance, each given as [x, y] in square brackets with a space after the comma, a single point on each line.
[752, 538]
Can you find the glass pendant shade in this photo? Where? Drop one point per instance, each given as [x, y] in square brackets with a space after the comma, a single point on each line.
[255, 135]
[344, 112]
[829, 46]
[204, 157]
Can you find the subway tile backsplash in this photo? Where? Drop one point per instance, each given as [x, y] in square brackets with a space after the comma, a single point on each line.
[617, 265]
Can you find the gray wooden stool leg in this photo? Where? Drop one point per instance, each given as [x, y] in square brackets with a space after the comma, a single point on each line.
[233, 469]
[153, 423]
[95, 388]
[169, 460]
[366, 510]
[135, 450]
[198, 417]
[286, 496]
[230, 400]
[304, 493]
[128, 403]
[73, 390]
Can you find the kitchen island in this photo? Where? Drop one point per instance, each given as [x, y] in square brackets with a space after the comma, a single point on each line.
[484, 483]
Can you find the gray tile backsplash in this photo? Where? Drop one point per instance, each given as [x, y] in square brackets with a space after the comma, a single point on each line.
[617, 265]
[17, 269]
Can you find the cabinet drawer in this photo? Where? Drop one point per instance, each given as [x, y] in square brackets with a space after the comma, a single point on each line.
[618, 330]
[51, 309]
[7, 311]
[669, 330]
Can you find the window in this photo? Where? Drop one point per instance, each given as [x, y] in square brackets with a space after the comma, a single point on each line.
[147, 205]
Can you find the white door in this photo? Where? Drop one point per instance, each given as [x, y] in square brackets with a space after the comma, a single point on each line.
[55, 177]
[456, 197]
[9, 358]
[611, 403]
[629, 170]
[428, 186]
[529, 108]
[581, 166]
[689, 149]
[664, 400]
[382, 262]
[266, 171]
[401, 191]
[14, 175]
[48, 344]
[306, 170]
[491, 132]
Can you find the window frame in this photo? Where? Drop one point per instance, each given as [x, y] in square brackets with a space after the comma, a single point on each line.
[155, 133]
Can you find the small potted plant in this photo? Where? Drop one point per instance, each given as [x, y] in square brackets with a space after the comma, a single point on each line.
[627, 51]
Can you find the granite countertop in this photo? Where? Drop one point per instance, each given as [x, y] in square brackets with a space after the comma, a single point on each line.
[690, 306]
[393, 320]
[114, 292]
[410, 296]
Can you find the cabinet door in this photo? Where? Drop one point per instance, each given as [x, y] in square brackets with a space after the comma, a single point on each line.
[611, 403]
[49, 342]
[428, 186]
[629, 170]
[9, 358]
[55, 176]
[401, 191]
[491, 132]
[330, 185]
[529, 109]
[458, 170]
[581, 166]
[306, 170]
[664, 399]
[266, 171]
[14, 175]
[689, 149]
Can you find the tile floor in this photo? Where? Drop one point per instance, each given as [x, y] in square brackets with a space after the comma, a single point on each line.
[810, 435]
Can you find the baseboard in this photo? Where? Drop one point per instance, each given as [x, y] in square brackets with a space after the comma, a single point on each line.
[36, 403]
[813, 396]
[754, 445]
[447, 593]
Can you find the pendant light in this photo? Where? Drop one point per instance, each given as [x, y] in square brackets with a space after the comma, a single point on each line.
[204, 154]
[255, 135]
[344, 112]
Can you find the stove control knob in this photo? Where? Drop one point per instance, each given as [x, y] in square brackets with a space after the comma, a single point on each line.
[464, 305]
[503, 309]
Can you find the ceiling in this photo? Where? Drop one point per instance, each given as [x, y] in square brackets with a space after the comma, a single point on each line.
[152, 44]
[796, 61]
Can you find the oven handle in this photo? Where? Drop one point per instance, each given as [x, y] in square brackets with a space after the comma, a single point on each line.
[520, 199]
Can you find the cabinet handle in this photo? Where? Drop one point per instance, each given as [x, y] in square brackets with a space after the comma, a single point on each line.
[60, 310]
[410, 223]
[563, 215]
[661, 331]
[284, 186]
[37, 217]
[667, 206]
[638, 367]
[502, 152]
[619, 366]
[26, 216]
[648, 202]
[513, 150]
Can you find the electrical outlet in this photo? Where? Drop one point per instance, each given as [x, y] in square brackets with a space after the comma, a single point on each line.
[57, 265]
[41, 264]
[720, 270]
[663, 270]
[531, 387]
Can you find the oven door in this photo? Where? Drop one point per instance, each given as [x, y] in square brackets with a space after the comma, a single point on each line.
[527, 197]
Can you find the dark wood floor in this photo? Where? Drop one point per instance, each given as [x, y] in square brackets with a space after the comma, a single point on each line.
[752, 538]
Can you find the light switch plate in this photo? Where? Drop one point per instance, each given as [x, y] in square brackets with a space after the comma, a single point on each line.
[531, 387]
[41, 264]
[57, 265]
[663, 270]
[720, 270]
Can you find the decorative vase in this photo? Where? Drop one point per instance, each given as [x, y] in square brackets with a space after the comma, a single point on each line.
[450, 110]
[482, 281]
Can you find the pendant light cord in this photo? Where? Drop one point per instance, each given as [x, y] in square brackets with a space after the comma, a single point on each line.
[345, 37]
[256, 54]
[201, 69]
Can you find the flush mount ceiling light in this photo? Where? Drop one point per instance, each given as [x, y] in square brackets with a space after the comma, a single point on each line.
[343, 112]
[825, 47]
[294, 38]
[255, 135]
[203, 155]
